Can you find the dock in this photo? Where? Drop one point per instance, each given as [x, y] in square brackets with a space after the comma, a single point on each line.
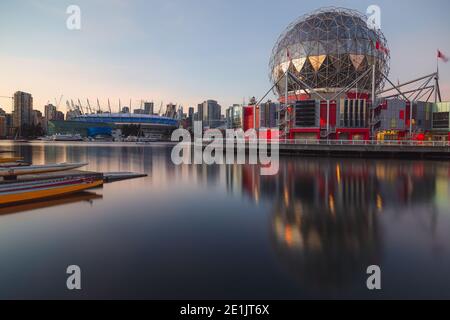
[108, 177]
[120, 176]
[432, 150]
[368, 149]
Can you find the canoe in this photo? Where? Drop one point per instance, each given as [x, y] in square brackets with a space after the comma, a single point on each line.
[38, 189]
[26, 170]
[83, 196]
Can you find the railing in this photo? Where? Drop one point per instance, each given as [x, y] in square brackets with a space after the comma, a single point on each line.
[306, 142]
[365, 143]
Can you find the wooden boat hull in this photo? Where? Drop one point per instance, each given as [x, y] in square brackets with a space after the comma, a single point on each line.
[42, 189]
[28, 170]
[11, 159]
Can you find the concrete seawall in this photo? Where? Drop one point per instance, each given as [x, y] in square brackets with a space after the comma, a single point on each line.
[436, 151]
[367, 151]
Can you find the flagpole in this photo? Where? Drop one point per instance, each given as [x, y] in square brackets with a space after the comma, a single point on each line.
[437, 78]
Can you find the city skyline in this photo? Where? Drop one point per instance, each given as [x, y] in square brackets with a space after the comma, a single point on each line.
[181, 52]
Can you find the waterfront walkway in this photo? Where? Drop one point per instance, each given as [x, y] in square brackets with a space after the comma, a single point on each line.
[360, 149]
[369, 149]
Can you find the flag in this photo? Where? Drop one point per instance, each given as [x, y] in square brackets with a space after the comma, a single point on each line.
[379, 46]
[442, 56]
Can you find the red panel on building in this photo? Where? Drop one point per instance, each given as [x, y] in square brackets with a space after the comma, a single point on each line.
[323, 114]
[354, 96]
[408, 114]
[248, 118]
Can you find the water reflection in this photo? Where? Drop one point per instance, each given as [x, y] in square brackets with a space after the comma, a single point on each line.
[312, 229]
[325, 223]
[88, 197]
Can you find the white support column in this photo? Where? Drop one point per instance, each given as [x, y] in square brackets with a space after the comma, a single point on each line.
[286, 113]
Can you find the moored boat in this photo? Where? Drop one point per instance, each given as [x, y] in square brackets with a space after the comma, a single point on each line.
[10, 159]
[47, 187]
[67, 137]
[36, 169]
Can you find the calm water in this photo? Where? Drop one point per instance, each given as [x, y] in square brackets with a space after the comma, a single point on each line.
[225, 232]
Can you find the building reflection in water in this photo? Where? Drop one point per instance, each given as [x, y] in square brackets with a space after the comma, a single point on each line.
[328, 218]
[325, 223]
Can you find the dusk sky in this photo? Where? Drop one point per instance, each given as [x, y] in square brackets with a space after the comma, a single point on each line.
[184, 51]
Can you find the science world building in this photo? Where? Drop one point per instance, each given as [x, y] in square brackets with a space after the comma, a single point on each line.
[327, 64]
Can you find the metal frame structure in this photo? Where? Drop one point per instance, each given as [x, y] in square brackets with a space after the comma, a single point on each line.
[328, 49]
[417, 88]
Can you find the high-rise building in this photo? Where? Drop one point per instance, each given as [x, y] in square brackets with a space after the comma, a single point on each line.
[3, 128]
[171, 110]
[190, 118]
[234, 117]
[59, 116]
[210, 113]
[9, 125]
[148, 108]
[50, 112]
[199, 112]
[37, 118]
[23, 110]
[180, 114]
[268, 114]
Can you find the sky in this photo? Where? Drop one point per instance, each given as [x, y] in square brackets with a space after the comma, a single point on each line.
[184, 51]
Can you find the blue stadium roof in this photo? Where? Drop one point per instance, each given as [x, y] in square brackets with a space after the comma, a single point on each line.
[127, 118]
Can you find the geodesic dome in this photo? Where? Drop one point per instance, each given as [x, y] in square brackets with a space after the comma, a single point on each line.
[328, 50]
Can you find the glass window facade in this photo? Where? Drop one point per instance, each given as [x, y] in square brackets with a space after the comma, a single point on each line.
[441, 115]
[353, 114]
